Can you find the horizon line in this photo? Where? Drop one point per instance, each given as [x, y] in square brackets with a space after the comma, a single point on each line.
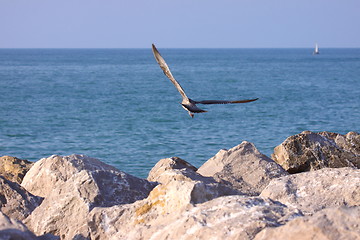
[176, 47]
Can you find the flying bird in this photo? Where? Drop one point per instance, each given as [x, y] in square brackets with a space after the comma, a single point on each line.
[188, 104]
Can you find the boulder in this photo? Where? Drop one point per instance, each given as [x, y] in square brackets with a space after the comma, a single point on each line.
[12, 229]
[15, 201]
[180, 187]
[14, 169]
[72, 186]
[329, 224]
[228, 217]
[179, 179]
[243, 167]
[112, 186]
[174, 168]
[349, 142]
[311, 151]
[315, 190]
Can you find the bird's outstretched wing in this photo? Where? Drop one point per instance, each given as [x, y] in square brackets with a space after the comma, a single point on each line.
[224, 101]
[167, 72]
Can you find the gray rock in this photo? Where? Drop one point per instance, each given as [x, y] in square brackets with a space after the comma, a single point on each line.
[113, 186]
[11, 229]
[72, 186]
[229, 217]
[349, 142]
[313, 191]
[15, 201]
[329, 224]
[311, 151]
[14, 169]
[243, 167]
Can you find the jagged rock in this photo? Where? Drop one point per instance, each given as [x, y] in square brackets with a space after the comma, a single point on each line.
[180, 187]
[12, 229]
[349, 142]
[328, 224]
[14, 169]
[169, 169]
[311, 151]
[315, 190]
[72, 186]
[175, 173]
[114, 185]
[243, 167]
[15, 201]
[229, 217]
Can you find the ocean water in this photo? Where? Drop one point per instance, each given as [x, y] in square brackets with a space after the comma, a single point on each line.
[117, 105]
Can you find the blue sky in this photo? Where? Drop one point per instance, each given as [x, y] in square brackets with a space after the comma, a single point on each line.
[179, 23]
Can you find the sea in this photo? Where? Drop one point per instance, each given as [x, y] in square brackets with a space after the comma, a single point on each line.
[116, 105]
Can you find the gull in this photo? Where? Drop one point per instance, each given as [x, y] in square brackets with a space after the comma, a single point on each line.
[188, 104]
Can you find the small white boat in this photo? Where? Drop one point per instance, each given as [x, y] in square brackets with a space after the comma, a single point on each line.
[316, 50]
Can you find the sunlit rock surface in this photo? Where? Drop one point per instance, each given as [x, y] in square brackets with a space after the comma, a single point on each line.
[72, 186]
[228, 217]
[243, 167]
[315, 190]
[14, 169]
[340, 223]
[174, 172]
[84, 198]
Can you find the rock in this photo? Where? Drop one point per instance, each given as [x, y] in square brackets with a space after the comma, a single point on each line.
[243, 167]
[72, 186]
[12, 229]
[313, 191]
[349, 142]
[113, 186]
[170, 169]
[180, 187]
[329, 224]
[14, 169]
[179, 178]
[15, 201]
[311, 151]
[228, 217]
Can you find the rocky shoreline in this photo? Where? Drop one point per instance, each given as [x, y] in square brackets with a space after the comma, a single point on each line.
[308, 189]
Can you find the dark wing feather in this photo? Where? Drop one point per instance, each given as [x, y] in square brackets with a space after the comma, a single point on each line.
[224, 101]
[167, 72]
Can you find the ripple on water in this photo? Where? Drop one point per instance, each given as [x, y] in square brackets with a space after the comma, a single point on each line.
[89, 101]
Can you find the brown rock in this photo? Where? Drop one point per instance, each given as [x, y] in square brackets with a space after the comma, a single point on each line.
[311, 151]
[14, 169]
[329, 224]
[315, 190]
[72, 186]
[170, 169]
[15, 201]
[48, 173]
[180, 206]
[176, 173]
[228, 217]
[243, 167]
[180, 188]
